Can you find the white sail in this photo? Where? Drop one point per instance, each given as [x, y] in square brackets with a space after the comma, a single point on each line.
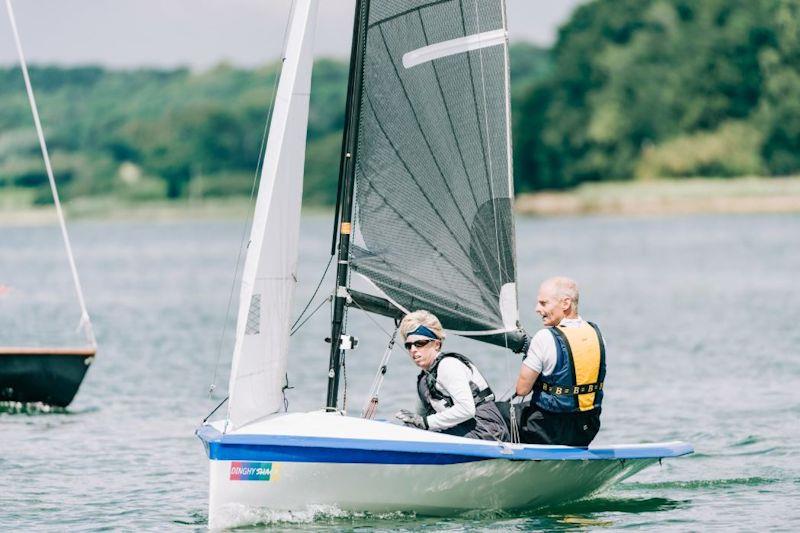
[258, 370]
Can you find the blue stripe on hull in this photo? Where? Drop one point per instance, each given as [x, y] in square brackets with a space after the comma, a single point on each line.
[302, 454]
[367, 451]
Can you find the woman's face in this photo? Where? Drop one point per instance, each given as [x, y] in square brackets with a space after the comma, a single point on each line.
[423, 350]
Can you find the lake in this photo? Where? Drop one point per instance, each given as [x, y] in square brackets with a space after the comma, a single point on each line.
[700, 315]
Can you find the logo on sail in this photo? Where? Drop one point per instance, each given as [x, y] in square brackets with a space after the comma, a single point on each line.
[252, 471]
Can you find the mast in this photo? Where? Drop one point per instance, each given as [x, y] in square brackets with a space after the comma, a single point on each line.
[345, 205]
[85, 321]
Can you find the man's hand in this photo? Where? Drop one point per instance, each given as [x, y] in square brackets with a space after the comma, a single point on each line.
[412, 419]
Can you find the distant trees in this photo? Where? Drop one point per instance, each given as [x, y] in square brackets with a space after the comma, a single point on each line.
[150, 134]
[632, 88]
[648, 88]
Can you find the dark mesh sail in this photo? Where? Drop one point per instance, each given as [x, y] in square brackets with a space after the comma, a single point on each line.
[434, 227]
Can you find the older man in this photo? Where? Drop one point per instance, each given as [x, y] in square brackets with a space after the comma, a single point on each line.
[565, 367]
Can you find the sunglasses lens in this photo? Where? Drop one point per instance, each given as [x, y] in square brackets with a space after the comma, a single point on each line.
[418, 344]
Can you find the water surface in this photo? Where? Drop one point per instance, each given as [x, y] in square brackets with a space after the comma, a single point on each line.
[700, 314]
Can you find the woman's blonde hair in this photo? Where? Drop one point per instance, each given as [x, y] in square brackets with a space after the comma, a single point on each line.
[421, 318]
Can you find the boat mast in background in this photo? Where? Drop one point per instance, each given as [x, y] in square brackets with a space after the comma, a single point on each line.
[85, 321]
[48, 375]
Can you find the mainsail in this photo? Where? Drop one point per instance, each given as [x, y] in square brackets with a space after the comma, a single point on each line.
[433, 225]
[258, 370]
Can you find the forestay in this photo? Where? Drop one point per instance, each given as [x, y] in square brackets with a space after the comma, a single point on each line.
[258, 370]
[433, 222]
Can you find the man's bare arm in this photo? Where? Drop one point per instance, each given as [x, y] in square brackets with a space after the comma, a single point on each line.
[525, 381]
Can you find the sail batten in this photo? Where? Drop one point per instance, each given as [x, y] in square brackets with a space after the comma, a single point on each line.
[433, 189]
[453, 46]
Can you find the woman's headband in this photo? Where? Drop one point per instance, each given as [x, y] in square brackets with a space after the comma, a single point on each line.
[423, 331]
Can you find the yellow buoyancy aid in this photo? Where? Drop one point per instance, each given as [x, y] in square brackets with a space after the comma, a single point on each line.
[576, 383]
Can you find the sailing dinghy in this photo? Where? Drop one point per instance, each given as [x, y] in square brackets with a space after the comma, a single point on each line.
[424, 217]
[46, 375]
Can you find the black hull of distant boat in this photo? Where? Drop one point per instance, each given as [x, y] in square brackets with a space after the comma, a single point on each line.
[28, 376]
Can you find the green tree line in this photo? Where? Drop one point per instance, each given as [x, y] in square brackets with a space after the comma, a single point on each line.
[153, 134]
[631, 89]
[666, 88]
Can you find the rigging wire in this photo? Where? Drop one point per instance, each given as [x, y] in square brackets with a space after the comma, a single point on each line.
[321, 303]
[85, 322]
[321, 279]
[377, 324]
[220, 404]
[514, 429]
[248, 220]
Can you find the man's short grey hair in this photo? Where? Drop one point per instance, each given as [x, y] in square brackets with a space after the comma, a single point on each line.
[565, 288]
[421, 318]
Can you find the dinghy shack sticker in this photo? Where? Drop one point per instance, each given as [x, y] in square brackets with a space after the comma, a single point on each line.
[253, 471]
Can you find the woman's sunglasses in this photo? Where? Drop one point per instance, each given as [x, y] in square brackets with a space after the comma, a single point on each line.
[419, 344]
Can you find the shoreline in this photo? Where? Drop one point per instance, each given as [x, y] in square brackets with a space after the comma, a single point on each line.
[690, 196]
[630, 198]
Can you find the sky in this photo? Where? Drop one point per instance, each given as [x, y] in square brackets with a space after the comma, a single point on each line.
[202, 33]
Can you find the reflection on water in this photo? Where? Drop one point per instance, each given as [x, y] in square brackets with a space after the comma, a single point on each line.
[609, 505]
[693, 309]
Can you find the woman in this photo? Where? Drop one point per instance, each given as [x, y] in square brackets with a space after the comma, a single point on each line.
[454, 397]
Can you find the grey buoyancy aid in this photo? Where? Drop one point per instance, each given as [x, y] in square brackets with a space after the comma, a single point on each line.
[576, 383]
[432, 398]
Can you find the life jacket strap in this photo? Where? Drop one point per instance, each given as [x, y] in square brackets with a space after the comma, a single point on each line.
[486, 395]
[557, 390]
[479, 396]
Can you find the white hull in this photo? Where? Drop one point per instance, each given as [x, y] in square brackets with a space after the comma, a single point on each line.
[301, 473]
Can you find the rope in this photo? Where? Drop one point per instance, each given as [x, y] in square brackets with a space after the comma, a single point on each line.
[344, 377]
[85, 322]
[514, 427]
[371, 406]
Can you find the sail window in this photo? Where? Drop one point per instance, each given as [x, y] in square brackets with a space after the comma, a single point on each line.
[254, 316]
[453, 47]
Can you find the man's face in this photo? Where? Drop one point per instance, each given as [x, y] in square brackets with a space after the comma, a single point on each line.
[550, 307]
[423, 356]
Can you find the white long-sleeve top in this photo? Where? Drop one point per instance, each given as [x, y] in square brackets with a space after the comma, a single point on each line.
[452, 379]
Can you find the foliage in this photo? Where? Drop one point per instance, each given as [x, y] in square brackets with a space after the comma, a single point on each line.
[175, 133]
[632, 88]
[629, 75]
[731, 150]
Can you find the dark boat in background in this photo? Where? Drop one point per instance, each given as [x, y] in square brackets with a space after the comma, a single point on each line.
[48, 375]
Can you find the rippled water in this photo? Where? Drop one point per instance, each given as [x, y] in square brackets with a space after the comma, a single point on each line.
[700, 313]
